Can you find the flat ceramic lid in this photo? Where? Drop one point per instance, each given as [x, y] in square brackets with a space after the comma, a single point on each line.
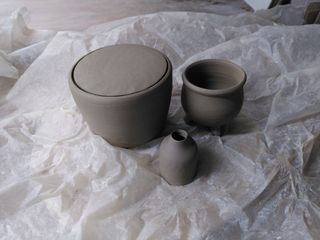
[120, 70]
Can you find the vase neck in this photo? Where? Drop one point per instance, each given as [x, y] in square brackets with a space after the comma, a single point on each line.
[179, 136]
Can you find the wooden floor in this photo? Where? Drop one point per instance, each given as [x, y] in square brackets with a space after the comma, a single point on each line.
[80, 14]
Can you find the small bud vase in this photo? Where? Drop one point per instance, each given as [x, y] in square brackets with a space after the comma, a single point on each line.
[178, 158]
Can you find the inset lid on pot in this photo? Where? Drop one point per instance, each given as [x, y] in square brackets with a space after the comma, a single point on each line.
[120, 70]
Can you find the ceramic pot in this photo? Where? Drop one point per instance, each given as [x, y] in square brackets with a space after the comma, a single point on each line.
[178, 158]
[212, 92]
[317, 21]
[312, 13]
[123, 92]
[274, 3]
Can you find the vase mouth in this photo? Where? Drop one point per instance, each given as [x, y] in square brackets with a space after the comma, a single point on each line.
[179, 135]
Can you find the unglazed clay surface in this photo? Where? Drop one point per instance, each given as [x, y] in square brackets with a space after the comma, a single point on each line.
[133, 119]
[311, 13]
[120, 70]
[212, 92]
[178, 158]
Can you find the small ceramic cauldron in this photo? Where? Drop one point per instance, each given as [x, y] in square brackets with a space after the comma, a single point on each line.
[212, 92]
[123, 92]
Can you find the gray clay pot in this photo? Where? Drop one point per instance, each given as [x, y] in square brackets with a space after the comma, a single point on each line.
[123, 92]
[312, 13]
[212, 92]
[317, 21]
[274, 3]
[178, 158]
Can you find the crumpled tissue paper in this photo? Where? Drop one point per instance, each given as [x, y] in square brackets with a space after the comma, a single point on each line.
[260, 181]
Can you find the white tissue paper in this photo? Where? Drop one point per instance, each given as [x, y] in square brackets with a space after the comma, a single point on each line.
[260, 181]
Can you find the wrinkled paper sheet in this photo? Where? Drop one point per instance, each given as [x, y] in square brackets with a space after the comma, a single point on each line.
[260, 181]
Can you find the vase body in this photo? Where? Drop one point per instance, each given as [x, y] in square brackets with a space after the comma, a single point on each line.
[178, 158]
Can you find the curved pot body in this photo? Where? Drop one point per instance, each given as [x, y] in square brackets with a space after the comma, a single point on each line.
[126, 120]
[178, 158]
[212, 104]
[211, 111]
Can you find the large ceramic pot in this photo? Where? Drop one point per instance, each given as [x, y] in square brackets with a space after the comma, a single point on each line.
[212, 92]
[178, 158]
[123, 92]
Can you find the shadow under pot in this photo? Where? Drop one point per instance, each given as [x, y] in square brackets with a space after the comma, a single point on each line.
[212, 92]
[123, 92]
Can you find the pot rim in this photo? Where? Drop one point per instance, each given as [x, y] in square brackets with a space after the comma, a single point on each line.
[83, 92]
[214, 92]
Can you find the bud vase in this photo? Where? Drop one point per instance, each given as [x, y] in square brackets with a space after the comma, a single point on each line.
[178, 158]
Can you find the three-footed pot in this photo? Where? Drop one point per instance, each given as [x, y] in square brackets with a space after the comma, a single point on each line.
[178, 158]
[212, 92]
[123, 92]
